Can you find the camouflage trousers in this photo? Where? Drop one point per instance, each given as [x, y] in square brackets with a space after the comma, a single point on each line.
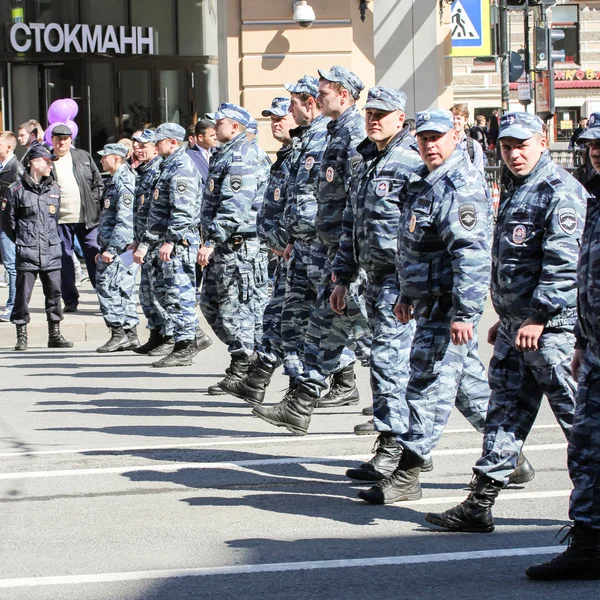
[115, 286]
[584, 445]
[390, 353]
[329, 336]
[518, 381]
[155, 314]
[442, 375]
[270, 349]
[232, 298]
[261, 294]
[174, 287]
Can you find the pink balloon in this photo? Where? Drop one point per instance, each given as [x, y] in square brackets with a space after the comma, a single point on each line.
[60, 111]
[73, 127]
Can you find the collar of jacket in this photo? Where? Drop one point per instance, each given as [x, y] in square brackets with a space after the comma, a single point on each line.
[119, 173]
[169, 159]
[38, 188]
[368, 149]
[284, 151]
[237, 141]
[450, 163]
[512, 181]
[144, 166]
[297, 132]
[348, 115]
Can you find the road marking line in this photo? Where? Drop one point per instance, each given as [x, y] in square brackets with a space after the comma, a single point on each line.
[216, 443]
[503, 496]
[277, 567]
[174, 466]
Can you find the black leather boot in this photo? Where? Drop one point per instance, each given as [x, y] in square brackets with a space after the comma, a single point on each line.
[522, 474]
[581, 560]
[21, 344]
[367, 428]
[154, 341]
[368, 411]
[253, 387]
[343, 391]
[201, 342]
[293, 412]
[118, 341]
[181, 356]
[385, 461]
[164, 348]
[475, 513]
[402, 485]
[55, 338]
[236, 371]
[132, 336]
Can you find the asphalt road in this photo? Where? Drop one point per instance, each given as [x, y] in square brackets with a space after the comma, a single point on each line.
[123, 482]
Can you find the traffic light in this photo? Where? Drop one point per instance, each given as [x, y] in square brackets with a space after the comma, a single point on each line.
[545, 52]
[555, 35]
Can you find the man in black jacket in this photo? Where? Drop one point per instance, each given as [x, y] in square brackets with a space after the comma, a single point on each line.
[80, 194]
[29, 218]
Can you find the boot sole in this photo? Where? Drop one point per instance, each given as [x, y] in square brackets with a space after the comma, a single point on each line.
[366, 478]
[202, 346]
[459, 527]
[112, 350]
[240, 396]
[289, 427]
[187, 364]
[69, 345]
[338, 404]
[406, 498]
[366, 432]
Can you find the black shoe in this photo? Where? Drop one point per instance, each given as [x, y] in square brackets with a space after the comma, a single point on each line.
[368, 411]
[21, 344]
[475, 513]
[343, 391]
[201, 342]
[118, 341]
[387, 457]
[181, 356]
[236, 371]
[523, 473]
[294, 412]
[581, 560]
[252, 388]
[70, 308]
[132, 336]
[55, 338]
[367, 428]
[164, 348]
[402, 485]
[154, 341]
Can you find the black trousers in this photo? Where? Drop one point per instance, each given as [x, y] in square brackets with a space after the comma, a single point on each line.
[51, 286]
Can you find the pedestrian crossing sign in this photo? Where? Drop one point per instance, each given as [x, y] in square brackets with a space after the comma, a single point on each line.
[470, 28]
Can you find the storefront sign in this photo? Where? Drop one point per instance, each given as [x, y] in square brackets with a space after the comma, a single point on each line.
[576, 75]
[83, 39]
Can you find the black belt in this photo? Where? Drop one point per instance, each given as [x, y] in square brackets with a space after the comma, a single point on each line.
[238, 238]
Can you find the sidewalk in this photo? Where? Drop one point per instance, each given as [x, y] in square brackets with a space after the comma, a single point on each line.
[84, 325]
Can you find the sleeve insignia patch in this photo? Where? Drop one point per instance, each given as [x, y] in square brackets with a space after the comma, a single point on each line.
[236, 183]
[181, 188]
[567, 219]
[128, 200]
[467, 216]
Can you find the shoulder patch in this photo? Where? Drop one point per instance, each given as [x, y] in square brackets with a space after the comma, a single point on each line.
[467, 216]
[181, 188]
[236, 183]
[3, 204]
[567, 220]
[127, 200]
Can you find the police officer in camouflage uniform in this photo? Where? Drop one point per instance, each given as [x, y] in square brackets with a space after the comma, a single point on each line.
[382, 167]
[231, 253]
[148, 171]
[328, 334]
[534, 274]
[170, 244]
[271, 232]
[443, 269]
[115, 281]
[582, 558]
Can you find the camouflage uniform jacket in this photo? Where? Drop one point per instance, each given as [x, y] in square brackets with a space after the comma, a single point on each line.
[301, 210]
[536, 244]
[588, 297]
[343, 136]
[444, 237]
[229, 203]
[372, 214]
[270, 225]
[147, 175]
[115, 231]
[175, 206]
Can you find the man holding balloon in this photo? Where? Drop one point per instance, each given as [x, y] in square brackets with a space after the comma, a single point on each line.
[80, 193]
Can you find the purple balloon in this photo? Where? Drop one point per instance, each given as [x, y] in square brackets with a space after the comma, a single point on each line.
[73, 106]
[48, 136]
[73, 127]
[60, 111]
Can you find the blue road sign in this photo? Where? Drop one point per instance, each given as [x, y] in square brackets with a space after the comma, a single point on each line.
[470, 28]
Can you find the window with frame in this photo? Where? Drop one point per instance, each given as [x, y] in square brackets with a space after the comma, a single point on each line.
[566, 18]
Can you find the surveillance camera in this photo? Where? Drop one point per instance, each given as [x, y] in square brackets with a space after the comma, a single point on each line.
[304, 14]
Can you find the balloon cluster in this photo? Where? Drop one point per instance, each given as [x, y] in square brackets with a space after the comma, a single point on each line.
[62, 112]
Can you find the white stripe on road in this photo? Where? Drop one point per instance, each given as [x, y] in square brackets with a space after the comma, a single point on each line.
[239, 464]
[245, 441]
[503, 496]
[277, 567]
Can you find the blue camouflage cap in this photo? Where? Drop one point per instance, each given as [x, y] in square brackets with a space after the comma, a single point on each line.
[346, 77]
[227, 110]
[305, 85]
[147, 136]
[252, 126]
[520, 125]
[386, 99]
[118, 149]
[440, 120]
[170, 131]
[593, 130]
[279, 108]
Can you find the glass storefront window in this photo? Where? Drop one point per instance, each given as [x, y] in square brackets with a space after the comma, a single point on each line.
[197, 28]
[105, 12]
[47, 11]
[135, 100]
[99, 96]
[159, 14]
[173, 97]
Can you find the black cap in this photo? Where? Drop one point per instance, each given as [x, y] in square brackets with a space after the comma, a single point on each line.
[62, 130]
[40, 151]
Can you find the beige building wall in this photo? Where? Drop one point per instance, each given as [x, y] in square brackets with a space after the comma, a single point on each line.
[266, 48]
